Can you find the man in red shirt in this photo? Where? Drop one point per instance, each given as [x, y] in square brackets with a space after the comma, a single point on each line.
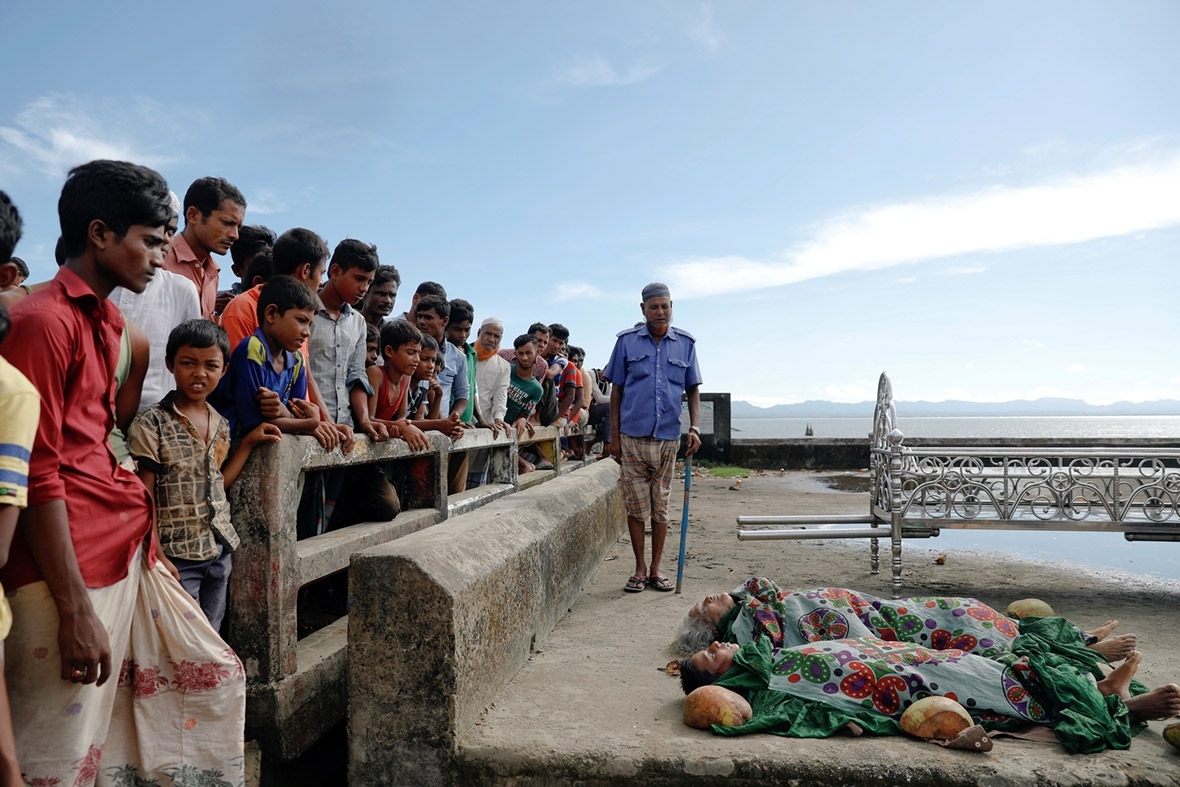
[89, 599]
[214, 210]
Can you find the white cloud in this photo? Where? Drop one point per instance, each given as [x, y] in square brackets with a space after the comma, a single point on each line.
[1047, 146]
[1118, 201]
[594, 70]
[1076, 368]
[962, 270]
[266, 202]
[566, 292]
[1033, 343]
[56, 132]
[703, 30]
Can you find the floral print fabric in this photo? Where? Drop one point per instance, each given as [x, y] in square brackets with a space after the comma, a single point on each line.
[172, 716]
[789, 618]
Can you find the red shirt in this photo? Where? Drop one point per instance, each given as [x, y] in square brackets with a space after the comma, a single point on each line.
[67, 343]
[181, 259]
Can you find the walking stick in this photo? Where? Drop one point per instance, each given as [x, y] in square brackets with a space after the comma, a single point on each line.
[684, 522]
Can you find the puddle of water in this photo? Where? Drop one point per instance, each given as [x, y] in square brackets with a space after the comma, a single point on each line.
[846, 482]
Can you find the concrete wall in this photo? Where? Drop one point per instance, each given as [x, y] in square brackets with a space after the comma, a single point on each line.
[801, 454]
[441, 620]
[850, 453]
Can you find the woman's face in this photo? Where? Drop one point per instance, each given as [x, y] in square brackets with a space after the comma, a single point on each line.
[712, 608]
[717, 658]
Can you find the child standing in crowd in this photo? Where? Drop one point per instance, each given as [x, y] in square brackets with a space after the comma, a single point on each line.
[372, 345]
[401, 346]
[181, 445]
[425, 396]
[337, 346]
[268, 370]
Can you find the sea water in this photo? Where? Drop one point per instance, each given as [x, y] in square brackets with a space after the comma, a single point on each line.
[1102, 551]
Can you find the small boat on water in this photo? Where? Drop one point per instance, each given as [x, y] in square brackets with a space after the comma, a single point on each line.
[809, 432]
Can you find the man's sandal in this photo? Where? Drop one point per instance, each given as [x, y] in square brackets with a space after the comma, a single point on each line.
[662, 584]
[635, 584]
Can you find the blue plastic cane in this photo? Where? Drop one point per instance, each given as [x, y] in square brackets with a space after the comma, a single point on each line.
[684, 522]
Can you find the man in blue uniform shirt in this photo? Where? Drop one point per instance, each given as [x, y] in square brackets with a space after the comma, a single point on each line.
[651, 367]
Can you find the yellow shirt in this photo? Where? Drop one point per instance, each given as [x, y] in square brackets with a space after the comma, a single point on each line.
[20, 409]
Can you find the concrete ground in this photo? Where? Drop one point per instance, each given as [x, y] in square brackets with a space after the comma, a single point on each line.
[593, 707]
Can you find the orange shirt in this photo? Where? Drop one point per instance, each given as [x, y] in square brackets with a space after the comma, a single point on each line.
[240, 319]
[240, 316]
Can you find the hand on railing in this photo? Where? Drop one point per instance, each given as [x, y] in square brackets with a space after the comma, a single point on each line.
[415, 438]
[377, 431]
[523, 426]
[347, 438]
[452, 427]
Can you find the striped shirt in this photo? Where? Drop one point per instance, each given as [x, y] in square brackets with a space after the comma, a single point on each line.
[20, 407]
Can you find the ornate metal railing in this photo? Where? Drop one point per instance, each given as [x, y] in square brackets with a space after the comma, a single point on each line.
[915, 491]
[1019, 486]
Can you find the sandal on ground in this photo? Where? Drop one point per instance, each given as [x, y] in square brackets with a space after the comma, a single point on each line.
[662, 584]
[635, 584]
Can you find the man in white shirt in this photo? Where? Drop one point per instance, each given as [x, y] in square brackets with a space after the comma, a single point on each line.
[168, 300]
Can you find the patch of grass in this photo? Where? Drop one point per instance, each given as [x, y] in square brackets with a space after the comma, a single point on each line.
[721, 471]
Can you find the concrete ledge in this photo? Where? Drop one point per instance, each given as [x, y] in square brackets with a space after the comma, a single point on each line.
[289, 715]
[463, 502]
[443, 619]
[529, 480]
[326, 554]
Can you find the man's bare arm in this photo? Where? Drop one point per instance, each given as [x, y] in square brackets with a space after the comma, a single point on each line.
[81, 636]
[693, 443]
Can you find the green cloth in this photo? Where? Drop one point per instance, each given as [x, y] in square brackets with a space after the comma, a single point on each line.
[1087, 721]
[725, 624]
[783, 714]
[467, 416]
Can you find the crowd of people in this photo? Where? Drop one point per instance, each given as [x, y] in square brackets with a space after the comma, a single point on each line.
[134, 385]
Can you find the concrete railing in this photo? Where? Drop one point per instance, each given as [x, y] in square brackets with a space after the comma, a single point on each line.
[441, 620]
[296, 688]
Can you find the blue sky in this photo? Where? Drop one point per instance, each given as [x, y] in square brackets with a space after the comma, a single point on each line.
[982, 199]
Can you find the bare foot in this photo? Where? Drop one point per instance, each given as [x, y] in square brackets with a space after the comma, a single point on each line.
[1115, 648]
[1119, 681]
[1161, 703]
[1103, 631]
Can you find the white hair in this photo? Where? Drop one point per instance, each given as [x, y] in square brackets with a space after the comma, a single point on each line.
[696, 633]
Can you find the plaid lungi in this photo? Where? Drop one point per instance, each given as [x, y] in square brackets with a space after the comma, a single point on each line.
[646, 479]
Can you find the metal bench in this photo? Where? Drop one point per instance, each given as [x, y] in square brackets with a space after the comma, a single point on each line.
[916, 491]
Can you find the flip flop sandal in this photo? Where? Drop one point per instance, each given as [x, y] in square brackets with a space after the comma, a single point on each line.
[662, 584]
[635, 584]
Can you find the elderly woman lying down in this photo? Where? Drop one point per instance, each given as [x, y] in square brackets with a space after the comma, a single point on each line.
[816, 689]
[759, 608]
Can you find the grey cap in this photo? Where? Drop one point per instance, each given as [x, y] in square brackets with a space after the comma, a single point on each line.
[656, 290]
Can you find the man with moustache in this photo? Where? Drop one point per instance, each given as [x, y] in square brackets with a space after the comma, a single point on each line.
[214, 210]
[651, 367]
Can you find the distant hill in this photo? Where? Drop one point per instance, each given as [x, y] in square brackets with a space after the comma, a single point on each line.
[956, 409]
